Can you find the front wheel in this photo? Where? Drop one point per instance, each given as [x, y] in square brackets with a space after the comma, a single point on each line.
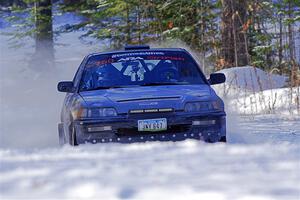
[72, 136]
[61, 134]
[223, 139]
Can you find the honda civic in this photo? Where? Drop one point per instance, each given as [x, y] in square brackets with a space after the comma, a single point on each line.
[141, 94]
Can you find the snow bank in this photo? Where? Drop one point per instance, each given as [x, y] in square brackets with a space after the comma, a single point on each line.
[250, 90]
[284, 101]
[252, 79]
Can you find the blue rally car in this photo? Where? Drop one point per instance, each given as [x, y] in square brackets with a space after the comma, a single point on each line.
[141, 94]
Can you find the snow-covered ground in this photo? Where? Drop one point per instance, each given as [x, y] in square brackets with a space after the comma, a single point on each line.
[260, 161]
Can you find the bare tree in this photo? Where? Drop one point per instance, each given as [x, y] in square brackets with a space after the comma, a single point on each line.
[234, 39]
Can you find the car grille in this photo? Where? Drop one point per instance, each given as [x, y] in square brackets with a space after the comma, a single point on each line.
[171, 129]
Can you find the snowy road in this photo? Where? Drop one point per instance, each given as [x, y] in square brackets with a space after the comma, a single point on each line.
[261, 161]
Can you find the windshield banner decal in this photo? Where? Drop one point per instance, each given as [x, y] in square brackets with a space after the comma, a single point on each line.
[137, 54]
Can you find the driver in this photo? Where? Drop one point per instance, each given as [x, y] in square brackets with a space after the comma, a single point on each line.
[168, 72]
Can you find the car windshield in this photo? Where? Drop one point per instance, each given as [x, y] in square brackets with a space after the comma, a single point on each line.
[144, 68]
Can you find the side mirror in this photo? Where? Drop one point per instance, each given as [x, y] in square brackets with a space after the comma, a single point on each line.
[216, 78]
[65, 86]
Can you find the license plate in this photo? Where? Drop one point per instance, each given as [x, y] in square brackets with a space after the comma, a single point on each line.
[152, 124]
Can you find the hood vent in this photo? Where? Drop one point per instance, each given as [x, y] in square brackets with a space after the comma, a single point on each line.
[149, 99]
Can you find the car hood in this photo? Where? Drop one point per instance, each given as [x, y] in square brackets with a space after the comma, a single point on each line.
[125, 99]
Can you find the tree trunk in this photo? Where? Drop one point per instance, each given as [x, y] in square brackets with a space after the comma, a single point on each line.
[280, 50]
[139, 24]
[128, 25]
[292, 47]
[234, 41]
[290, 35]
[202, 33]
[44, 49]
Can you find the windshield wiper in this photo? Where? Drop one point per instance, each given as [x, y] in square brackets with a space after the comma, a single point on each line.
[162, 83]
[144, 84]
[104, 88]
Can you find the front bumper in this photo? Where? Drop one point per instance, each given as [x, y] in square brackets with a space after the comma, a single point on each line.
[180, 127]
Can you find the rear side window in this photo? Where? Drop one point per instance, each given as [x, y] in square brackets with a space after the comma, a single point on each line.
[140, 68]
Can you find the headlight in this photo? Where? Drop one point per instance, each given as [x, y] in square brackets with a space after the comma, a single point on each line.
[203, 106]
[101, 112]
[95, 112]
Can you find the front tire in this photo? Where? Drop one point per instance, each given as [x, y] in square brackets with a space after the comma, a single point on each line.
[223, 139]
[61, 134]
[72, 136]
